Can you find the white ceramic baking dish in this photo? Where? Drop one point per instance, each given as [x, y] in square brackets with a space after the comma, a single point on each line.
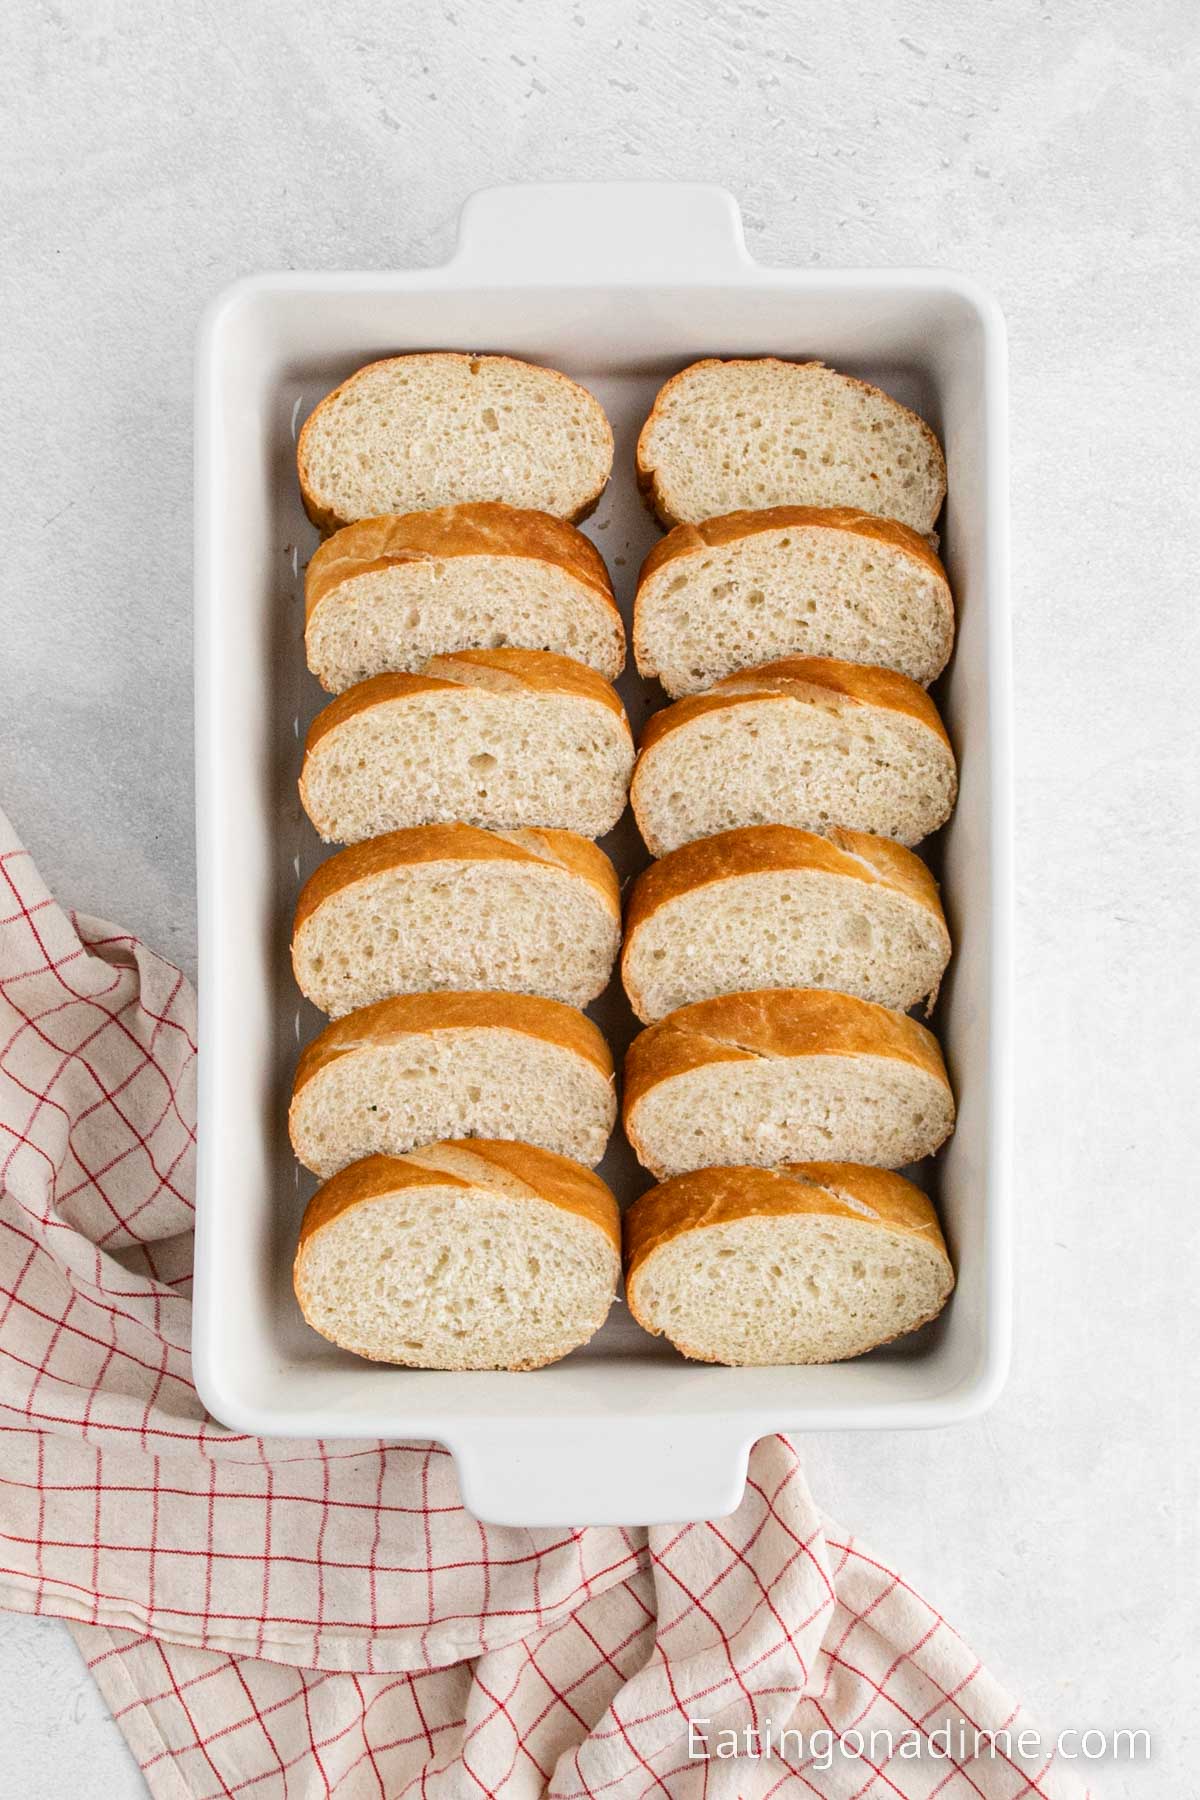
[619, 285]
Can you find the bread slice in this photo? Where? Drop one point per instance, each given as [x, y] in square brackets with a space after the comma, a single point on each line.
[815, 580]
[772, 907]
[492, 737]
[439, 428]
[449, 907]
[480, 1255]
[784, 1075]
[806, 741]
[807, 1263]
[762, 432]
[420, 1067]
[387, 594]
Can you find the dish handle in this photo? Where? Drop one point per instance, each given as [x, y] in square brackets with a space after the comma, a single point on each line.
[601, 233]
[600, 1472]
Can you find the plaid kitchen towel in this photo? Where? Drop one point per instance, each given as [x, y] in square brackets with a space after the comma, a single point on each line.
[298, 1619]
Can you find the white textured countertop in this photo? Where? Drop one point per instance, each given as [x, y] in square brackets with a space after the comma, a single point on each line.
[151, 154]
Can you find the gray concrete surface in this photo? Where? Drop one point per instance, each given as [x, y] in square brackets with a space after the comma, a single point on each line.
[150, 153]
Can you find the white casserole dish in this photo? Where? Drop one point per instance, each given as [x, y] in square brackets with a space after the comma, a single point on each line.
[619, 285]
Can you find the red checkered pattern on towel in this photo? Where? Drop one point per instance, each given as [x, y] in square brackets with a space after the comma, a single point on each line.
[301, 1619]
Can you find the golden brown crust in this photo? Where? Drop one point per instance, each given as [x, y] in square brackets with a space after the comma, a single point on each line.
[647, 473]
[480, 528]
[772, 1023]
[326, 520]
[362, 1182]
[731, 528]
[722, 1196]
[535, 672]
[407, 1015]
[768, 849]
[564, 850]
[802, 679]
[555, 1179]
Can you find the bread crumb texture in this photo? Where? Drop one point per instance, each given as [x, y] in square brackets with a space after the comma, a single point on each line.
[500, 738]
[753, 586]
[724, 436]
[444, 908]
[462, 1256]
[768, 907]
[809, 1263]
[388, 593]
[787, 1075]
[811, 742]
[431, 430]
[460, 1065]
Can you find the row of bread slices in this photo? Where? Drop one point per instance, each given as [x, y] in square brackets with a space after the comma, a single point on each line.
[417, 432]
[487, 737]
[738, 1261]
[439, 1238]
[384, 595]
[450, 907]
[771, 1111]
[472, 648]
[510, 737]
[485, 1253]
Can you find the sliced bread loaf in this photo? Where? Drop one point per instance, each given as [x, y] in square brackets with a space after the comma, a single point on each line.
[808, 1263]
[479, 1255]
[420, 1067]
[389, 593]
[772, 907]
[816, 580]
[807, 741]
[505, 738]
[438, 428]
[784, 1075]
[763, 432]
[447, 907]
